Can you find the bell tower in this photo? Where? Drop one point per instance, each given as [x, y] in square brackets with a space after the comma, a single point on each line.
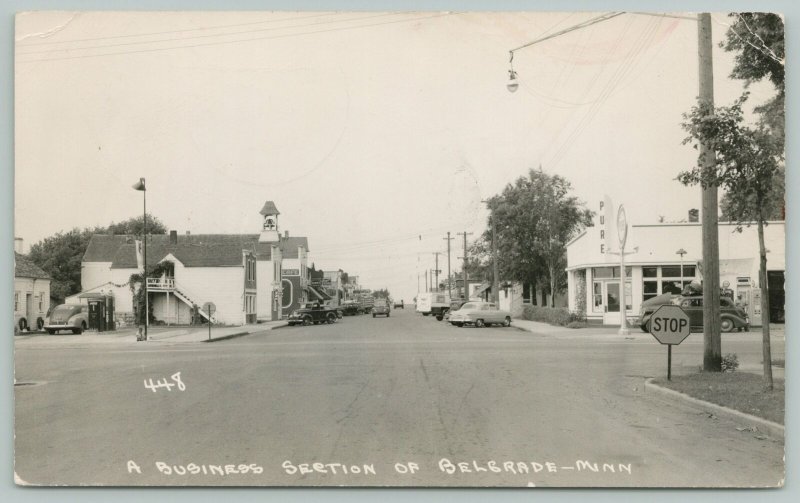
[269, 226]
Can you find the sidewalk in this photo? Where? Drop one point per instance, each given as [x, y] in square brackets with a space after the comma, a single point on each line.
[605, 332]
[156, 335]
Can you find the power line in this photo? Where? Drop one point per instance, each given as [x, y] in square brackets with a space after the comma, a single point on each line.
[224, 42]
[180, 39]
[217, 27]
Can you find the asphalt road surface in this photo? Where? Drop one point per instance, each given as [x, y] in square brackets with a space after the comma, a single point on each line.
[399, 401]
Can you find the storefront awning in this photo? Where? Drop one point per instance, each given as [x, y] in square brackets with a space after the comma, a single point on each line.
[320, 295]
[482, 288]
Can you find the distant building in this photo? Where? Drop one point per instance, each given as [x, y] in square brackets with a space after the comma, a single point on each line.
[31, 293]
[242, 274]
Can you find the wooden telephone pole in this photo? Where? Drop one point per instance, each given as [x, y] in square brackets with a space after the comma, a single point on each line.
[712, 341]
[464, 289]
[449, 279]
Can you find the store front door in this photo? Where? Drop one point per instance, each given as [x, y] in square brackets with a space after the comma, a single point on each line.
[611, 301]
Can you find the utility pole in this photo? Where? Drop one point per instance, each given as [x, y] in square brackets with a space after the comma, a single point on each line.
[495, 280]
[436, 271]
[427, 289]
[465, 292]
[712, 341]
[449, 279]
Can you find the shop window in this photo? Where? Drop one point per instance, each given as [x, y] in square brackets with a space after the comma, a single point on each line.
[597, 297]
[41, 301]
[650, 289]
[609, 272]
[650, 272]
[526, 293]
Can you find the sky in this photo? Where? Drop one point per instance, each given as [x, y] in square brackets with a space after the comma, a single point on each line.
[375, 133]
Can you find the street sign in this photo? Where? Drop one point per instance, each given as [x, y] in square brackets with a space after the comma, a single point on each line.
[669, 324]
[209, 308]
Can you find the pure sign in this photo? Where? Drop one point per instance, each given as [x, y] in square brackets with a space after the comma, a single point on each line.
[670, 326]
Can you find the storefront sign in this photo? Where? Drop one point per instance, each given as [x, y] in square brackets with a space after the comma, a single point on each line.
[290, 272]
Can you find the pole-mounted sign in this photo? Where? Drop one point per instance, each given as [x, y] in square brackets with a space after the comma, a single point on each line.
[209, 308]
[669, 324]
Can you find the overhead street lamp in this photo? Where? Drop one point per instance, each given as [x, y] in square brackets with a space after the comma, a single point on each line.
[681, 252]
[140, 185]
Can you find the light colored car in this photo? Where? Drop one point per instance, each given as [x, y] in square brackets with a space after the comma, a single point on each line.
[381, 307]
[68, 317]
[480, 314]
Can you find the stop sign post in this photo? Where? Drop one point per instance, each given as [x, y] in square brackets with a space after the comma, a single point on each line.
[670, 325]
[209, 308]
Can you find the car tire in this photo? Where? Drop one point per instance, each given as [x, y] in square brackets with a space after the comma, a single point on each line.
[507, 321]
[727, 325]
[459, 325]
[23, 324]
[373, 315]
[307, 321]
[479, 324]
[426, 314]
[439, 318]
[387, 315]
[39, 324]
[331, 318]
[51, 331]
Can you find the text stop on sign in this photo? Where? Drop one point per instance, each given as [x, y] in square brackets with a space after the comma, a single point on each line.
[669, 324]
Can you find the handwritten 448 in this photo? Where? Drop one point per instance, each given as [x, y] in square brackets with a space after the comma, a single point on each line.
[165, 383]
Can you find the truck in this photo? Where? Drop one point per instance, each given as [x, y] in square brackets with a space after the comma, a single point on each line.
[432, 303]
[366, 302]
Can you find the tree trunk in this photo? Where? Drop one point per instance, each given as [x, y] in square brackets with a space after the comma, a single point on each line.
[766, 352]
[553, 279]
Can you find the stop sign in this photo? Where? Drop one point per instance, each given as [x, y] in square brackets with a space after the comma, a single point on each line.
[669, 324]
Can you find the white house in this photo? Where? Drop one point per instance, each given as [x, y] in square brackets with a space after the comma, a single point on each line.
[239, 273]
[31, 294]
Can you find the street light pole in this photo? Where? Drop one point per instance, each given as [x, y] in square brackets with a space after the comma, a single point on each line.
[140, 185]
[681, 252]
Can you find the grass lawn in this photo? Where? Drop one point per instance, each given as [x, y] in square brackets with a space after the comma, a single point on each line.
[741, 391]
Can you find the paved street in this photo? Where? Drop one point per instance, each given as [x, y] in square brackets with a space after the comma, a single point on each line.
[400, 401]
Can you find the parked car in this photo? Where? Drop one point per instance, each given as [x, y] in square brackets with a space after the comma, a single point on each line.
[454, 306]
[480, 314]
[312, 313]
[380, 307]
[350, 308]
[399, 305]
[68, 317]
[732, 316]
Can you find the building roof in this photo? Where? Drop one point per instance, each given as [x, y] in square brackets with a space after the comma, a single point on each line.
[103, 247]
[269, 209]
[199, 250]
[25, 268]
[190, 255]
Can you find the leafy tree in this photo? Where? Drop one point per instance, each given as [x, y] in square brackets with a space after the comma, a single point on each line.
[535, 217]
[747, 163]
[758, 40]
[381, 294]
[135, 226]
[60, 255]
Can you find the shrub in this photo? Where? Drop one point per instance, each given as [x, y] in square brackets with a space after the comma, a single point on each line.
[730, 362]
[576, 324]
[560, 316]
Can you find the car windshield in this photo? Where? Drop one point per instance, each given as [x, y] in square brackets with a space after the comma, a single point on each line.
[65, 310]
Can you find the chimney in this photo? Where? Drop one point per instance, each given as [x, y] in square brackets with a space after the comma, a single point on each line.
[694, 215]
[18, 245]
[286, 234]
[173, 237]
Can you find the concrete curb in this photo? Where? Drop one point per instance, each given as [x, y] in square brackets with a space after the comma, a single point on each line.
[764, 425]
[241, 334]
